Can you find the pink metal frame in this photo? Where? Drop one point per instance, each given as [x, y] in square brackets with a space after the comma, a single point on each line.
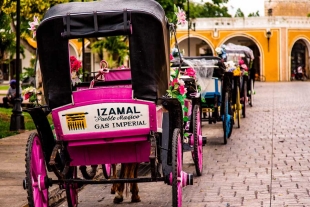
[122, 146]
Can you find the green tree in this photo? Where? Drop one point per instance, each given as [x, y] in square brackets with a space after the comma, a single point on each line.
[7, 39]
[254, 14]
[239, 13]
[168, 6]
[29, 9]
[215, 8]
[116, 46]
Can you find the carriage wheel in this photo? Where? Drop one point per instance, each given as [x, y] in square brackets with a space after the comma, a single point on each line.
[238, 106]
[198, 149]
[72, 188]
[227, 120]
[35, 173]
[231, 124]
[176, 169]
[106, 169]
[251, 93]
[244, 98]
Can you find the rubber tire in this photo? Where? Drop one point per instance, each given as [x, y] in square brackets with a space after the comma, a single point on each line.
[198, 150]
[238, 106]
[244, 98]
[72, 189]
[225, 117]
[177, 163]
[252, 93]
[230, 126]
[34, 142]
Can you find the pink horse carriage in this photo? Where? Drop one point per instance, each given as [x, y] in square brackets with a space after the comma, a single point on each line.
[127, 118]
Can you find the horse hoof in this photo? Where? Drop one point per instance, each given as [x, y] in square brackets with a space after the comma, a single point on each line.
[117, 200]
[135, 199]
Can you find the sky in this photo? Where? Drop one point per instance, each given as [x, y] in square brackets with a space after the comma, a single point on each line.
[246, 6]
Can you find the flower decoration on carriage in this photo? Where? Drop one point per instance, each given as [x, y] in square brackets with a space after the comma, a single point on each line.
[75, 70]
[178, 90]
[34, 25]
[31, 94]
[176, 53]
[181, 16]
[221, 52]
[243, 67]
[190, 72]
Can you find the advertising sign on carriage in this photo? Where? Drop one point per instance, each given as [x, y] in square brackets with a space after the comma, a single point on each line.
[104, 117]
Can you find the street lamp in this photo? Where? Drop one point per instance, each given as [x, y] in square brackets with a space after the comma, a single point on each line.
[268, 35]
[189, 27]
[83, 57]
[17, 119]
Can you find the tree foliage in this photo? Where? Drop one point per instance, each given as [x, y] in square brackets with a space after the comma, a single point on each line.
[28, 9]
[239, 13]
[168, 6]
[215, 8]
[254, 14]
[7, 38]
[116, 46]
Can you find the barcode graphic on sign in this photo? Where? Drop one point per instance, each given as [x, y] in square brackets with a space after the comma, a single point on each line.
[76, 121]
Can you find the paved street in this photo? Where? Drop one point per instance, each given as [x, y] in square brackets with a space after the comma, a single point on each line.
[265, 163]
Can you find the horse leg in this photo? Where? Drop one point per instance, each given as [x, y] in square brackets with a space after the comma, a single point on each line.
[119, 187]
[134, 186]
[89, 175]
[114, 186]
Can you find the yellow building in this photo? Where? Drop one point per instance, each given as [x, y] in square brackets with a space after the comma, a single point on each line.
[280, 44]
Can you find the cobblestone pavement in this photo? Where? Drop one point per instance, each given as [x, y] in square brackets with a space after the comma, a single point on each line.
[265, 163]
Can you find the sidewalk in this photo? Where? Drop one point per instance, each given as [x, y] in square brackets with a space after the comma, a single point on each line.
[12, 172]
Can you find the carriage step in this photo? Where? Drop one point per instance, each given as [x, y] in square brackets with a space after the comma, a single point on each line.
[204, 141]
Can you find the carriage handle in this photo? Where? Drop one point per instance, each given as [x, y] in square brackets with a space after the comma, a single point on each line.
[100, 76]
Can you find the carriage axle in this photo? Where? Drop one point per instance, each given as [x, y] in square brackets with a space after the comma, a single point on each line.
[49, 181]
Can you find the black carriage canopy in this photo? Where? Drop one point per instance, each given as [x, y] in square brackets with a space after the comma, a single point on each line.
[143, 21]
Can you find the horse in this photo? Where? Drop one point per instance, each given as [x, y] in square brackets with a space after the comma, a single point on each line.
[128, 170]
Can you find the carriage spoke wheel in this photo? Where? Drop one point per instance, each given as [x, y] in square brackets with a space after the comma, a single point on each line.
[35, 173]
[198, 150]
[176, 169]
[72, 188]
[106, 170]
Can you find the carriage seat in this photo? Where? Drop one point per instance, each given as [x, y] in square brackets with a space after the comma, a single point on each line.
[190, 85]
[115, 78]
